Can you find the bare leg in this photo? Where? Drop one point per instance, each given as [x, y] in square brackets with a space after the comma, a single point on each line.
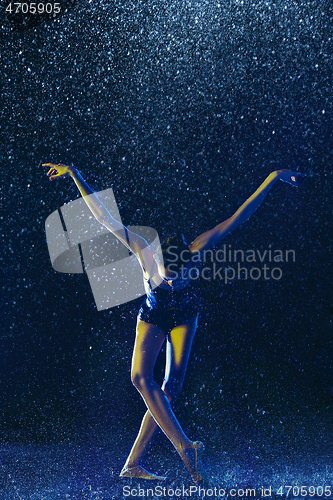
[148, 431]
[148, 344]
[149, 340]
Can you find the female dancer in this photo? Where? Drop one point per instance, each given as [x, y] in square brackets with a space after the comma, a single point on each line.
[170, 314]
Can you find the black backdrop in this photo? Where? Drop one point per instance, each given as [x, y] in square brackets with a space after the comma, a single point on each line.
[183, 109]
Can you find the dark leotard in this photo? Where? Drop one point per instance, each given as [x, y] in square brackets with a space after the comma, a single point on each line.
[168, 307]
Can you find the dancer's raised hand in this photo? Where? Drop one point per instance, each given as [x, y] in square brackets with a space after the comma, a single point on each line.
[289, 176]
[57, 170]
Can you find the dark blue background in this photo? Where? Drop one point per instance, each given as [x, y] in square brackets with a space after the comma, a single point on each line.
[183, 109]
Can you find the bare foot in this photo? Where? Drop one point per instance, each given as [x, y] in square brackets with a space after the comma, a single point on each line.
[139, 472]
[192, 460]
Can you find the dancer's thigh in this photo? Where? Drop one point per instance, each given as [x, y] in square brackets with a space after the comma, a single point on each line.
[148, 342]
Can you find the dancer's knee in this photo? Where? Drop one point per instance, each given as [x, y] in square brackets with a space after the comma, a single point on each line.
[141, 382]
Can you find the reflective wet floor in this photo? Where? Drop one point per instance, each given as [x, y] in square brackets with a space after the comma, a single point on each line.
[91, 473]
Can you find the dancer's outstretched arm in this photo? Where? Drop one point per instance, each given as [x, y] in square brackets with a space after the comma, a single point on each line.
[212, 237]
[135, 243]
